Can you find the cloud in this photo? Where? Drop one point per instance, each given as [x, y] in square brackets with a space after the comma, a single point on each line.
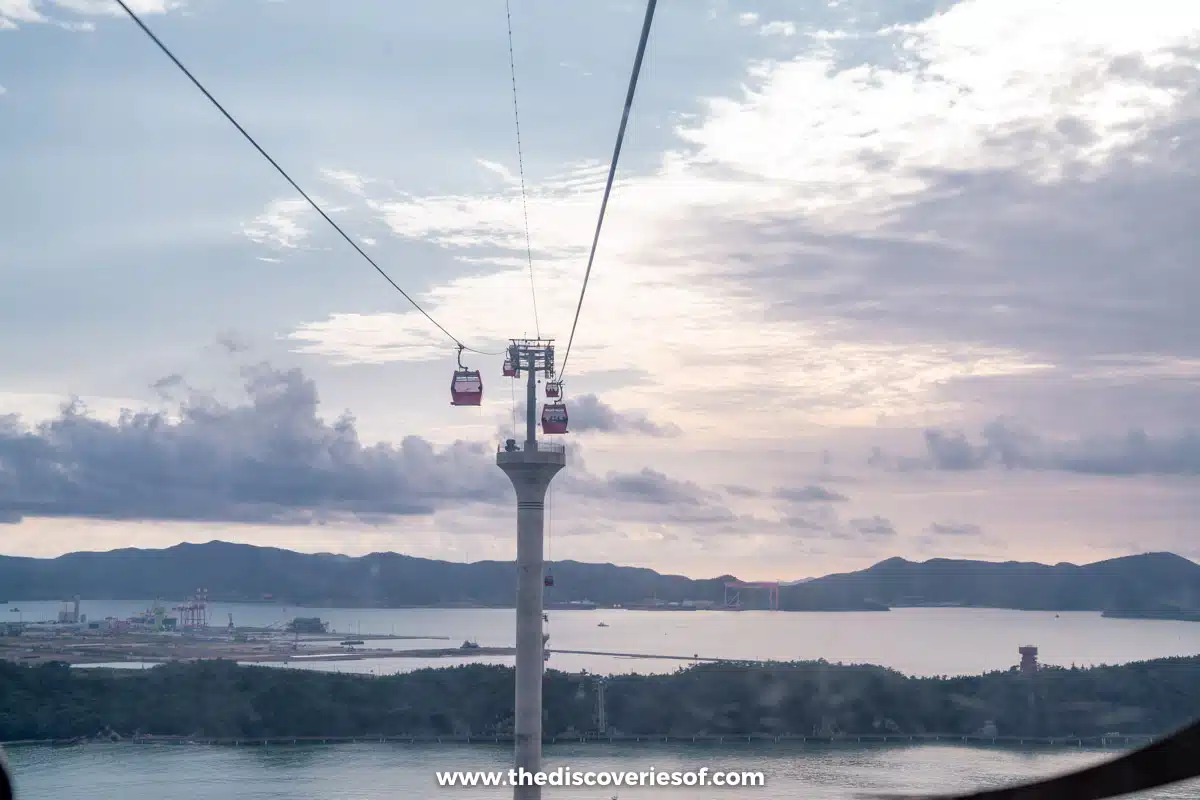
[821, 522]
[576, 68]
[647, 497]
[166, 385]
[105, 7]
[969, 215]
[270, 460]
[14, 13]
[875, 527]
[645, 486]
[499, 169]
[960, 540]
[809, 494]
[747, 18]
[1025, 202]
[282, 226]
[497, 219]
[812, 524]
[232, 344]
[651, 486]
[352, 338]
[778, 29]
[589, 414]
[347, 181]
[955, 529]
[1005, 445]
[945, 211]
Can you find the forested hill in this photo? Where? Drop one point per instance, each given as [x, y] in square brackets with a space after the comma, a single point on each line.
[1152, 581]
[238, 572]
[221, 699]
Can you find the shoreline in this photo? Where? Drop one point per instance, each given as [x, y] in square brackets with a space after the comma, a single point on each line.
[1172, 614]
[247, 646]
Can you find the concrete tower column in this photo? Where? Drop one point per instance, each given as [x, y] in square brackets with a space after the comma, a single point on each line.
[531, 473]
[530, 469]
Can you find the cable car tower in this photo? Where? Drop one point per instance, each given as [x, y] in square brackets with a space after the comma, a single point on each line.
[530, 467]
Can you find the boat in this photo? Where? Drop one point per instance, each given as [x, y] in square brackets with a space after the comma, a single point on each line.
[602, 625]
[469, 645]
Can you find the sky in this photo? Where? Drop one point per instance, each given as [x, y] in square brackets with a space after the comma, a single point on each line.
[877, 278]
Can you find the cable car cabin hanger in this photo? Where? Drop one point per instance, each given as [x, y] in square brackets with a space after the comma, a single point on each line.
[466, 387]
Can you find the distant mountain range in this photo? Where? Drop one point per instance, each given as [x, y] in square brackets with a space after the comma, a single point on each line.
[1148, 582]
[1154, 582]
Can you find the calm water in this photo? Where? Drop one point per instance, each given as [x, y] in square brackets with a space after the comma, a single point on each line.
[914, 641]
[386, 772]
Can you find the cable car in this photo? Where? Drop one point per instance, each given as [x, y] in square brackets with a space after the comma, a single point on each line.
[466, 388]
[554, 389]
[509, 370]
[548, 581]
[554, 418]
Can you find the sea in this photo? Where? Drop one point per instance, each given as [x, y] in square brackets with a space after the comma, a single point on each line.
[392, 771]
[916, 641]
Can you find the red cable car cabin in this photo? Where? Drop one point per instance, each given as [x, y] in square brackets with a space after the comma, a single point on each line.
[554, 418]
[466, 389]
[554, 389]
[548, 581]
[509, 370]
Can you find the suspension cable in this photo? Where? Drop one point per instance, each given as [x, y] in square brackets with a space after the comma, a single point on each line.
[146, 30]
[612, 169]
[512, 68]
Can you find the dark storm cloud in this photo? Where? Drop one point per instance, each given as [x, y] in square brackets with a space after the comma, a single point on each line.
[270, 460]
[589, 413]
[809, 494]
[1004, 445]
